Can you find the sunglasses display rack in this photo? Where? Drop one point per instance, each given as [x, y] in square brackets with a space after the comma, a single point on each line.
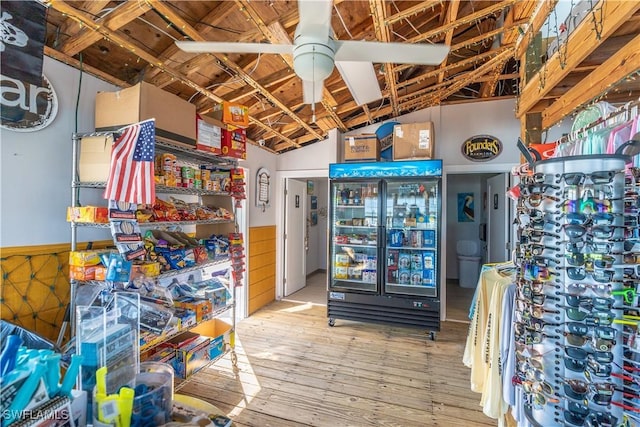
[573, 289]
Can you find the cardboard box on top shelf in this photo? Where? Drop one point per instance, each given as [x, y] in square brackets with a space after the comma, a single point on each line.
[361, 147]
[95, 158]
[413, 141]
[231, 114]
[175, 117]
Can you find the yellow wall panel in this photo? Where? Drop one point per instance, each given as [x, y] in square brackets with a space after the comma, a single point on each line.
[262, 267]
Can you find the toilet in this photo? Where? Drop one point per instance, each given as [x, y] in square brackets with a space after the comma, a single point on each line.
[468, 263]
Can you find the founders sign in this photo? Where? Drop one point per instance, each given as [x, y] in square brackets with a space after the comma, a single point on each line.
[481, 148]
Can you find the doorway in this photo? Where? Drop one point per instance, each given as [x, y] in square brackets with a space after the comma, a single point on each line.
[308, 251]
[478, 231]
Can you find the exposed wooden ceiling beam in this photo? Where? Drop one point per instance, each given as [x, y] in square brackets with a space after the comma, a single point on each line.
[367, 113]
[452, 14]
[195, 35]
[489, 86]
[464, 62]
[624, 62]
[537, 20]
[89, 6]
[87, 20]
[413, 10]
[85, 67]
[378, 10]
[462, 81]
[119, 17]
[496, 7]
[581, 43]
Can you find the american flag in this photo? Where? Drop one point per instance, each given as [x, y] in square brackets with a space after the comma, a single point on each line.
[131, 171]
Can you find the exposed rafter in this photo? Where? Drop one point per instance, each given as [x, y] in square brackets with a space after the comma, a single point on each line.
[413, 10]
[463, 21]
[580, 44]
[52, 53]
[623, 63]
[378, 12]
[452, 14]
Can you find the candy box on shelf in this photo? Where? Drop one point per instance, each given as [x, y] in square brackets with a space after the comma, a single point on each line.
[87, 272]
[145, 269]
[84, 258]
[231, 114]
[208, 135]
[92, 214]
[219, 333]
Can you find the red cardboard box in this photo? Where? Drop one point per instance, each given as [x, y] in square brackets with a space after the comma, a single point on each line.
[234, 143]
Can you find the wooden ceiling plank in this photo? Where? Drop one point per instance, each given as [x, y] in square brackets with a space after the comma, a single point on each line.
[464, 62]
[413, 10]
[52, 53]
[92, 7]
[87, 21]
[536, 21]
[494, 8]
[452, 14]
[195, 35]
[489, 86]
[463, 80]
[624, 62]
[367, 113]
[125, 13]
[378, 12]
[581, 43]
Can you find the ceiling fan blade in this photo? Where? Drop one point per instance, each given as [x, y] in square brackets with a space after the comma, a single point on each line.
[315, 18]
[231, 47]
[360, 78]
[312, 91]
[394, 53]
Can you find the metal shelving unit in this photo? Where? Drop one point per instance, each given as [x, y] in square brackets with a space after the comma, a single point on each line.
[191, 157]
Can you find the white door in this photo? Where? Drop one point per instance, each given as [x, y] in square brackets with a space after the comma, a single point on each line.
[295, 218]
[498, 219]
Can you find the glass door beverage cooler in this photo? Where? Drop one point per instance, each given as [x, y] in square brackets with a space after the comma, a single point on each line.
[384, 228]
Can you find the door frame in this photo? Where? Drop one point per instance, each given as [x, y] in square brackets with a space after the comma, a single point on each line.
[287, 266]
[280, 200]
[458, 170]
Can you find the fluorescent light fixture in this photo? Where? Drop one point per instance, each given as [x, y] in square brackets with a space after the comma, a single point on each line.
[360, 78]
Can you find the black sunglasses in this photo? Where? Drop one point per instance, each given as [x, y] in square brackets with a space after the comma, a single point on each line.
[578, 178]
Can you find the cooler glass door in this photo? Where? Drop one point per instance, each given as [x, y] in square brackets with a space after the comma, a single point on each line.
[412, 217]
[355, 209]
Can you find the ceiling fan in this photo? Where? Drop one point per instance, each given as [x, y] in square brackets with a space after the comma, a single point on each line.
[315, 52]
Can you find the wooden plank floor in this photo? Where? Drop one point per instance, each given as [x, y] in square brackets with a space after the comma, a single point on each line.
[295, 370]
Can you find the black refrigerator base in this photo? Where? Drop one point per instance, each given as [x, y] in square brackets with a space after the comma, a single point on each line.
[404, 311]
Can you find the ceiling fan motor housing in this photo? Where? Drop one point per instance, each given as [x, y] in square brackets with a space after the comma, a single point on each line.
[313, 59]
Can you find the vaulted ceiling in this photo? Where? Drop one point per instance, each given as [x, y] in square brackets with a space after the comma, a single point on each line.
[125, 42]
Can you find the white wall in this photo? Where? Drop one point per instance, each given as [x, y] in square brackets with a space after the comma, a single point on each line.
[35, 183]
[258, 158]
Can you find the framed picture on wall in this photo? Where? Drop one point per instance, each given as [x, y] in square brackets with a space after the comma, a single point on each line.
[314, 202]
[314, 218]
[309, 187]
[466, 210]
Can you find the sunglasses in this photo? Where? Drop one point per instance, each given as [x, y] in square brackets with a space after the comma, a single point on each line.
[589, 303]
[534, 200]
[582, 354]
[587, 205]
[578, 389]
[533, 337]
[596, 260]
[535, 236]
[589, 418]
[536, 189]
[594, 318]
[579, 273]
[594, 247]
[576, 231]
[592, 218]
[579, 289]
[578, 178]
[589, 367]
[537, 272]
